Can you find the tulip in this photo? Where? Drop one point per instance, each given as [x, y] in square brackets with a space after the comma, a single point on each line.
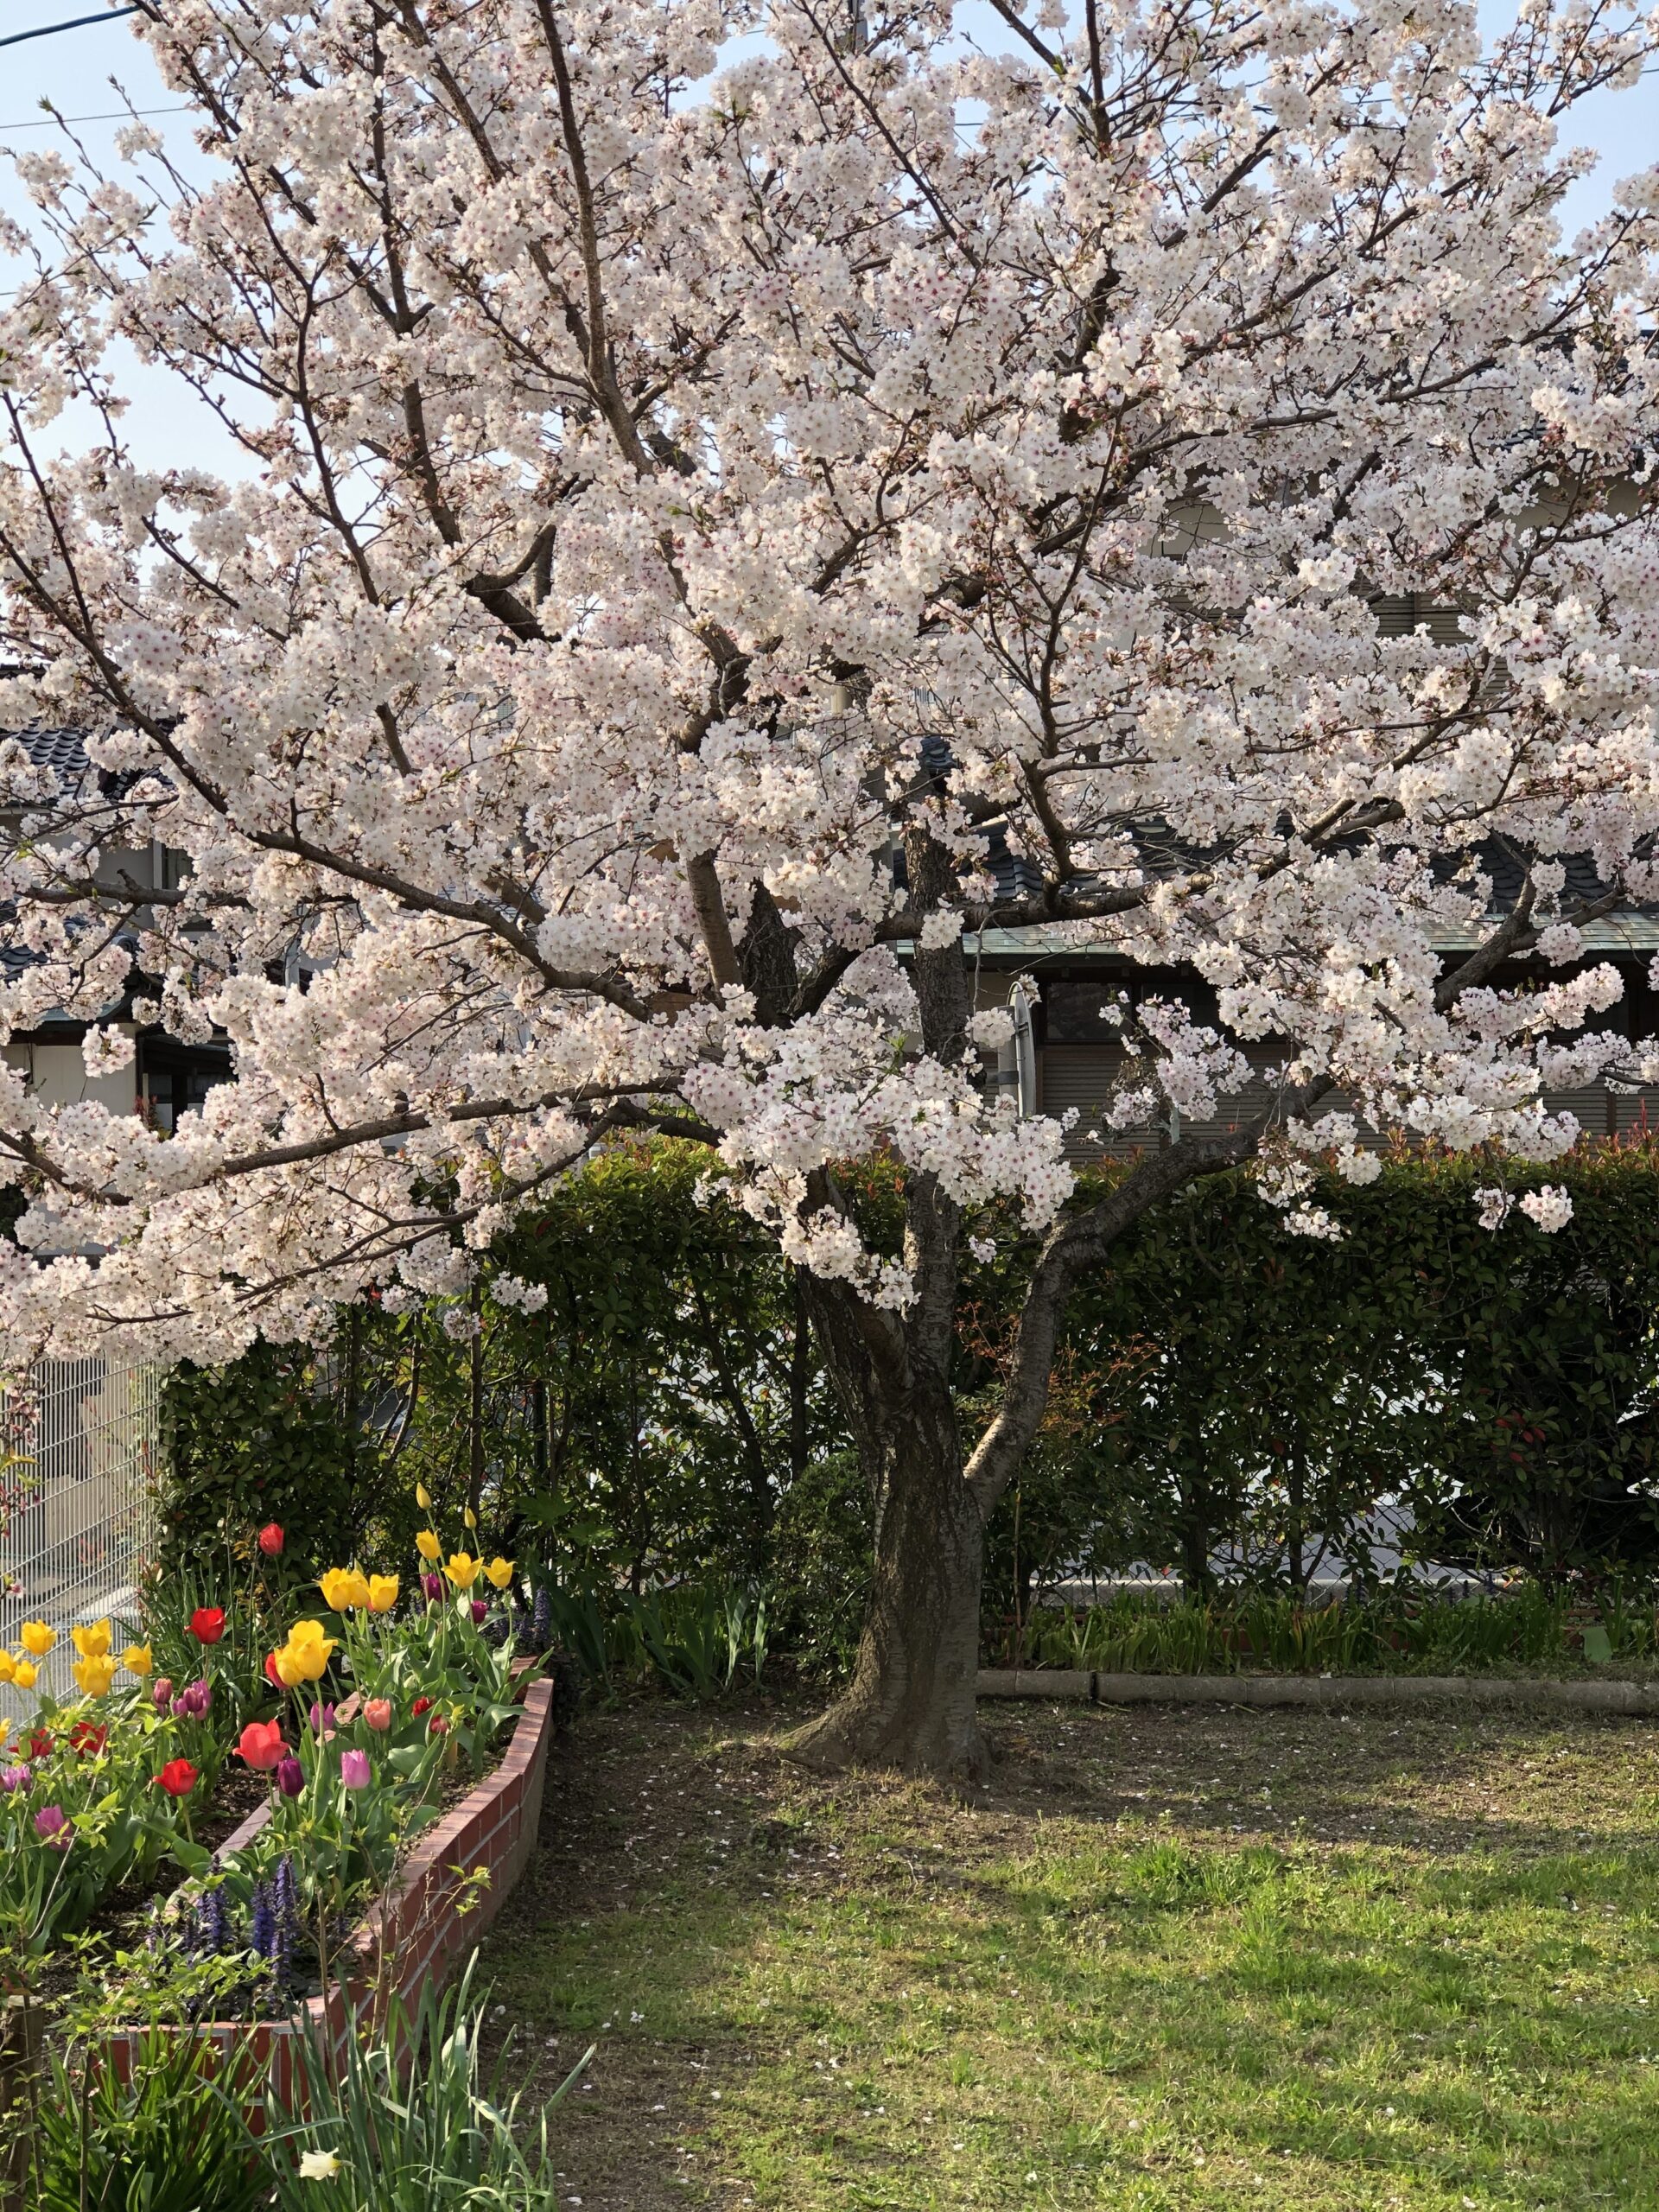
[271, 1674]
[178, 1777]
[427, 1545]
[500, 1572]
[270, 1539]
[92, 1642]
[13, 1777]
[433, 1585]
[383, 1592]
[207, 1623]
[438, 1724]
[195, 1701]
[470, 1518]
[94, 1676]
[354, 1769]
[344, 1587]
[261, 1745]
[138, 1658]
[421, 1705]
[422, 1497]
[162, 1694]
[378, 1712]
[50, 1824]
[480, 1612]
[8, 1667]
[290, 1777]
[25, 1673]
[38, 1746]
[85, 1741]
[304, 1657]
[462, 1570]
[322, 1717]
[37, 1638]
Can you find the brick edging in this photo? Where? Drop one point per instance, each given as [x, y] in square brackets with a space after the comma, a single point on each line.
[1068, 1684]
[415, 1935]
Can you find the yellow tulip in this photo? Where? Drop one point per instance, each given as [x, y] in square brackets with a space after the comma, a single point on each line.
[422, 1497]
[470, 1518]
[92, 1642]
[337, 1587]
[301, 1663]
[138, 1659]
[304, 1657]
[24, 1674]
[94, 1673]
[500, 1572]
[462, 1570]
[383, 1592]
[37, 1638]
[8, 1667]
[429, 1546]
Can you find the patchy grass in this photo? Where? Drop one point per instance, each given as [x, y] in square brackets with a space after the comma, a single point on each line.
[1170, 1960]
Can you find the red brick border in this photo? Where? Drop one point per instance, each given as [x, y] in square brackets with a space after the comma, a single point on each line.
[419, 1932]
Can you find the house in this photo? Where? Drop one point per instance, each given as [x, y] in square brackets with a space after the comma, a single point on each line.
[166, 1078]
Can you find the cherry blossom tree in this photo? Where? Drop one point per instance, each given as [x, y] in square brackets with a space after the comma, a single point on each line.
[720, 476]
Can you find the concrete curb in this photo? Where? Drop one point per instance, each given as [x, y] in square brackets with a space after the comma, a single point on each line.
[1062, 1684]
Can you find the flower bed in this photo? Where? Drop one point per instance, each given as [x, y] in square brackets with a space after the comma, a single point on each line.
[447, 1890]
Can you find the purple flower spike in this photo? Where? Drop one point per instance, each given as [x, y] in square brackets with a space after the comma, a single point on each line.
[354, 1769]
[290, 1777]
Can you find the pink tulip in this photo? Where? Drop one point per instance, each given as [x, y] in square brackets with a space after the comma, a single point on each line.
[354, 1769]
[378, 1712]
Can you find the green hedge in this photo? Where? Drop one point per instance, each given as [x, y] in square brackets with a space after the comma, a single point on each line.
[1224, 1384]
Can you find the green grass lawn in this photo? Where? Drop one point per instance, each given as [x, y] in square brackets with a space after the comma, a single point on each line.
[1169, 1959]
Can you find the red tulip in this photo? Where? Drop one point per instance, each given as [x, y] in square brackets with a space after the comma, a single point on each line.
[38, 1746]
[421, 1705]
[271, 1674]
[438, 1724]
[272, 1540]
[261, 1745]
[86, 1741]
[178, 1777]
[207, 1623]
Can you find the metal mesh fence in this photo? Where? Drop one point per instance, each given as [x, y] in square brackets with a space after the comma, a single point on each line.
[78, 1454]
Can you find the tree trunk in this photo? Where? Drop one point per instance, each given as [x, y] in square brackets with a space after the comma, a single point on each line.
[911, 1703]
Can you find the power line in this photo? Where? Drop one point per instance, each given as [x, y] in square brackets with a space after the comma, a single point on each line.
[75, 23]
[111, 115]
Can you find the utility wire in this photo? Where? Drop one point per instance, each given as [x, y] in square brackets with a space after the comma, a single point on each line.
[75, 23]
[111, 115]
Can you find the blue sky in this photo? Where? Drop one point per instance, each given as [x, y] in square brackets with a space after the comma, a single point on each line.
[167, 427]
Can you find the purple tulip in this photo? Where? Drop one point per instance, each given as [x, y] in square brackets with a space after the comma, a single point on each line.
[290, 1777]
[480, 1612]
[354, 1769]
[162, 1692]
[15, 1778]
[52, 1826]
[322, 1716]
[433, 1585]
[196, 1700]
